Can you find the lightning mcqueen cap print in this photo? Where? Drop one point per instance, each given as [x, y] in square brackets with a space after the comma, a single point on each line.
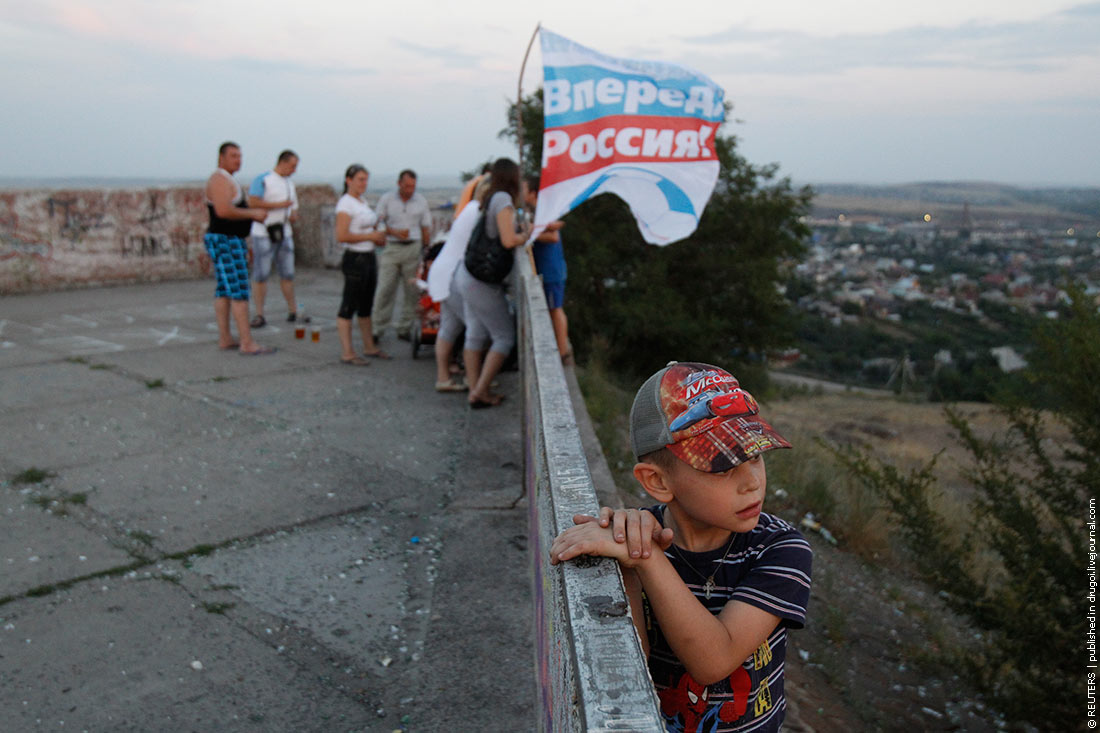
[701, 414]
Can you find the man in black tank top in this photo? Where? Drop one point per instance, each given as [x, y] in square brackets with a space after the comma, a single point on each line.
[230, 222]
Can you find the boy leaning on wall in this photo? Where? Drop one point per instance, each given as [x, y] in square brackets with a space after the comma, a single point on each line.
[713, 581]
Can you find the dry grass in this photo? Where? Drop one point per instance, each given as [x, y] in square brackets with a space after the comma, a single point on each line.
[904, 434]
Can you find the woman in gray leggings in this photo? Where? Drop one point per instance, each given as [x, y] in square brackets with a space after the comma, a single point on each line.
[489, 323]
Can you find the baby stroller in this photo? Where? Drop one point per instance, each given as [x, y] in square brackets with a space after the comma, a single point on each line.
[425, 326]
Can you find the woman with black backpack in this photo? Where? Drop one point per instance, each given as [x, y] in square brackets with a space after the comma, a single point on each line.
[480, 279]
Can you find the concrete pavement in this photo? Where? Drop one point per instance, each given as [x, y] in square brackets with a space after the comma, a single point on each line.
[195, 540]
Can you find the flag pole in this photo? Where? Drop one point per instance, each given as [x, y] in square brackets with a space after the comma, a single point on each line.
[519, 127]
[519, 95]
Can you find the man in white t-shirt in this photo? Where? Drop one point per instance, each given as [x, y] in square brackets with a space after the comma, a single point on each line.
[273, 238]
[408, 221]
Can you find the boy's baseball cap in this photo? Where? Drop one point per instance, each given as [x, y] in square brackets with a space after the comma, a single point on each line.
[701, 414]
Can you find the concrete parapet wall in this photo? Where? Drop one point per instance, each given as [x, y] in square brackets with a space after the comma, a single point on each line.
[592, 675]
[61, 239]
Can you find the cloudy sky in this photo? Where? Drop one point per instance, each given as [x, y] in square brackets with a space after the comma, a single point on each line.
[875, 91]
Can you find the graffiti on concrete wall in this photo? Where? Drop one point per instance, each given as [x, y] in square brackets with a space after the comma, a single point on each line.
[142, 245]
[75, 220]
[154, 211]
[53, 239]
[11, 245]
[14, 242]
[155, 234]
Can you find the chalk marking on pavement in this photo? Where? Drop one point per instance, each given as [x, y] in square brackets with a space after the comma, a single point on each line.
[81, 321]
[81, 345]
[107, 318]
[32, 329]
[161, 336]
[169, 335]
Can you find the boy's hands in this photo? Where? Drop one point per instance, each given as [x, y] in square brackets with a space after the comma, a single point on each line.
[627, 535]
[638, 528]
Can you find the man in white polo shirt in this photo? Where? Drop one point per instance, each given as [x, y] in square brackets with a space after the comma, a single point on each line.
[408, 222]
[273, 238]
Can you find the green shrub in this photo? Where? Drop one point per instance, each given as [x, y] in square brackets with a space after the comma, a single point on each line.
[1015, 570]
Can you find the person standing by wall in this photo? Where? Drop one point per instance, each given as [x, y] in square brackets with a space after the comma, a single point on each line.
[490, 326]
[357, 230]
[273, 238]
[230, 221]
[441, 288]
[408, 222]
[550, 265]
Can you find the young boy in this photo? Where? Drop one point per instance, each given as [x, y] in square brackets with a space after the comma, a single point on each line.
[712, 610]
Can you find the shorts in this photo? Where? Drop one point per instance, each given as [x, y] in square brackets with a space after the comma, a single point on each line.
[489, 320]
[555, 294]
[451, 316]
[265, 254]
[229, 258]
[360, 279]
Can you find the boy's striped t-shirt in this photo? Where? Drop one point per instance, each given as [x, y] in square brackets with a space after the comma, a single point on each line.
[768, 567]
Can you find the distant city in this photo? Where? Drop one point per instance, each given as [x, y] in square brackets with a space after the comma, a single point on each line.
[876, 246]
[993, 257]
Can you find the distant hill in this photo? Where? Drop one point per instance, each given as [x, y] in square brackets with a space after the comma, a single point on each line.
[1050, 207]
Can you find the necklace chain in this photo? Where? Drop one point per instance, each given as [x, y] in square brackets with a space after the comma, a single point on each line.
[708, 582]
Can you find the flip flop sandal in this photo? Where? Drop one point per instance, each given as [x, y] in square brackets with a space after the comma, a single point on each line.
[230, 347]
[377, 355]
[262, 351]
[258, 322]
[355, 361]
[449, 387]
[479, 404]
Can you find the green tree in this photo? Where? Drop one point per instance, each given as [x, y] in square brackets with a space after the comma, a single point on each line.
[1016, 572]
[713, 296]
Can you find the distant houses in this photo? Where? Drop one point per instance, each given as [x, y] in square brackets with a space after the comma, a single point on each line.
[863, 267]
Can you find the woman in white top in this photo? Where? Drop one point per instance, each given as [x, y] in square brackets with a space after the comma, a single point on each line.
[356, 230]
[442, 289]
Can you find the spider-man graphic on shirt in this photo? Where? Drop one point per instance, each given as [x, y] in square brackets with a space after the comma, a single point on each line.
[690, 701]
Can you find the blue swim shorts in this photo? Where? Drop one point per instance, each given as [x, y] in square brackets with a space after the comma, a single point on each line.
[229, 257]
